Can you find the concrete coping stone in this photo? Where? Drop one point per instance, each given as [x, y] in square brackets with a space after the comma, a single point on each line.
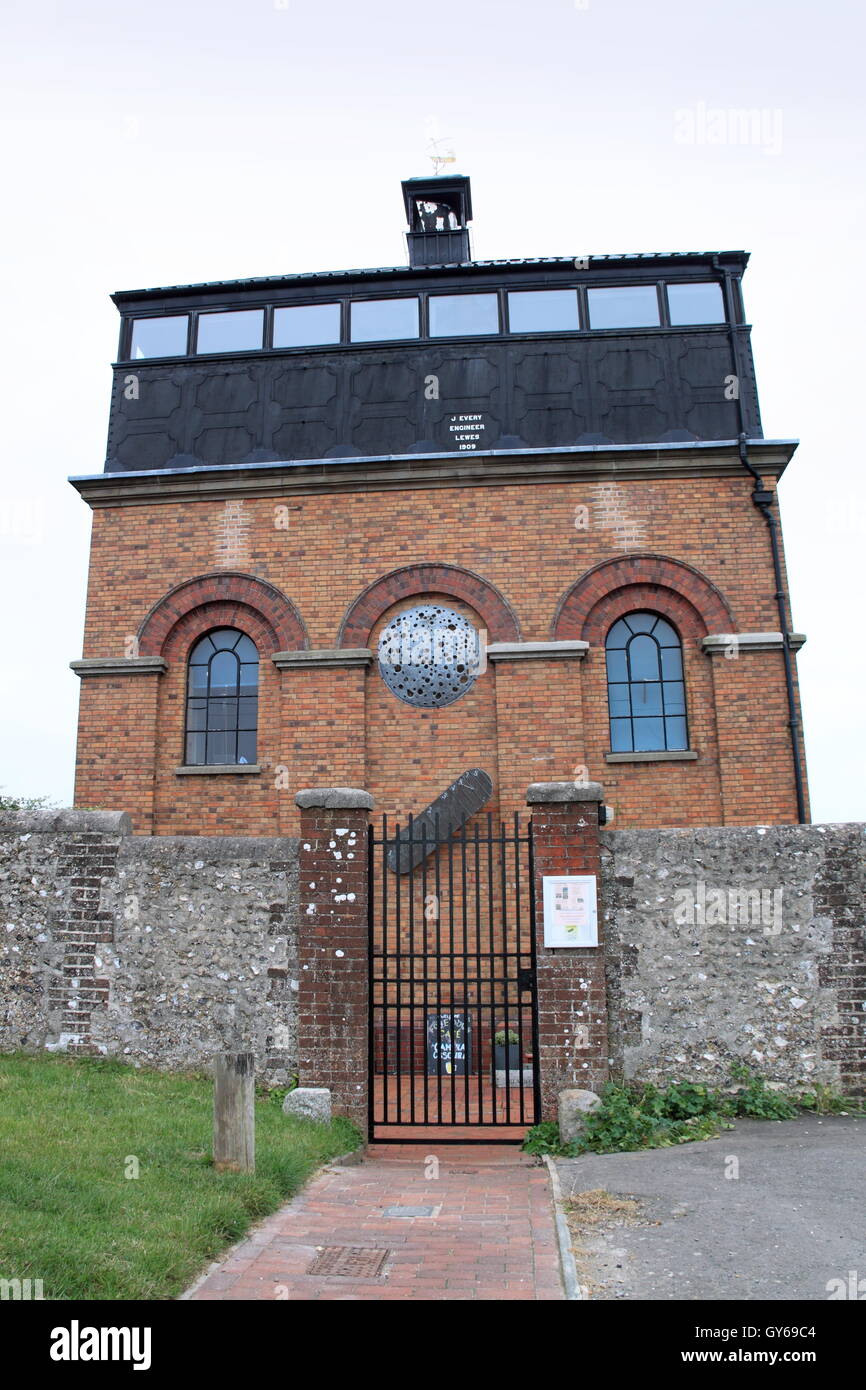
[750, 641]
[326, 656]
[334, 799]
[216, 769]
[119, 666]
[207, 850]
[537, 651]
[540, 792]
[666, 755]
[68, 821]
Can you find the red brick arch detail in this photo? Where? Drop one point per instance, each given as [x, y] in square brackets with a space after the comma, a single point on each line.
[363, 613]
[196, 623]
[634, 597]
[614, 587]
[232, 600]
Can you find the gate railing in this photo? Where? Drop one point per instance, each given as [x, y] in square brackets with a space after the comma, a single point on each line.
[451, 968]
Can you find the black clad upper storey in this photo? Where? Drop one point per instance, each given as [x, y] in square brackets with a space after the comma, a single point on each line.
[447, 356]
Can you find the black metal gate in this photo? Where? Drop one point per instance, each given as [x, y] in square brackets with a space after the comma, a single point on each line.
[453, 1046]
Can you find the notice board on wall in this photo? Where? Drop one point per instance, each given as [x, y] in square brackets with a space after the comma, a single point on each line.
[570, 910]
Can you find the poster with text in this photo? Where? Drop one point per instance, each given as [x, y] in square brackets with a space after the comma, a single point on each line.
[570, 910]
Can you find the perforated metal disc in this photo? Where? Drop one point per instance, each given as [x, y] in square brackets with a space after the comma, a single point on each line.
[428, 656]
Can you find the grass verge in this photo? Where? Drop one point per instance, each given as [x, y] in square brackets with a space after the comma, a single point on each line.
[72, 1129]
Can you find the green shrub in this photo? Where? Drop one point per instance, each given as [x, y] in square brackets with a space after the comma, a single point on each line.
[823, 1100]
[686, 1099]
[637, 1117]
[756, 1100]
[25, 803]
[644, 1117]
[544, 1139]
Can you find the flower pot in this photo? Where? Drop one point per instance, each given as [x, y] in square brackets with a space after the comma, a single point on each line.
[507, 1056]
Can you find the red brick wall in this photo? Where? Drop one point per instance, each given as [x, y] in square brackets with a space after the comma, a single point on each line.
[117, 741]
[332, 957]
[508, 557]
[546, 698]
[322, 734]
[571, 987]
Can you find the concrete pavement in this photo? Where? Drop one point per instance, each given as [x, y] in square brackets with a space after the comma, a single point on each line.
[771, 1210]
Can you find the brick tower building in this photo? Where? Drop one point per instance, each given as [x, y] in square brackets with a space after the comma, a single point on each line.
[377, 528]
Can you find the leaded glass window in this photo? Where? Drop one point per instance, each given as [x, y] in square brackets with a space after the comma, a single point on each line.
[222, 700]
[645, 688]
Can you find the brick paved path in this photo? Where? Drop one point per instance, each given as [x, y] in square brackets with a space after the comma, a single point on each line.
[491, 1235]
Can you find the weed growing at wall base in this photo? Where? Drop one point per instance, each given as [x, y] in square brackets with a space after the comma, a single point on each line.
[645, 1117]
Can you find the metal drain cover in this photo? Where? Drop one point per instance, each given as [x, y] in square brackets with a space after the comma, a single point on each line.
[409, 1213]
[349, 1262]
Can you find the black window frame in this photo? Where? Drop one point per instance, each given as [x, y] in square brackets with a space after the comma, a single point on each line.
[630, 682]
[494, 294]
[207, 698]
[509, 330]
[352, 300]
[128, 329]
[232, 309]
[342, 326]
[670, 283]
[582, 287]
[626, 327]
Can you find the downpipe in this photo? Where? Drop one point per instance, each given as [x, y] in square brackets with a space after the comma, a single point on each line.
[762, 498]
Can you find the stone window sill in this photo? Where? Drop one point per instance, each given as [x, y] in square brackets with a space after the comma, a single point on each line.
[217, 769]
[681, 755]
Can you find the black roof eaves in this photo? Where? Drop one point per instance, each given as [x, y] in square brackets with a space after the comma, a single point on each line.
[384, 272]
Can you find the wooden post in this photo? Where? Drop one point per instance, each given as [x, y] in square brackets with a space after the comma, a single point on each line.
[234, 1121]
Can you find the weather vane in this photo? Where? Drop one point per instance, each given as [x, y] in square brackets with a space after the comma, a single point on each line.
[440, 157]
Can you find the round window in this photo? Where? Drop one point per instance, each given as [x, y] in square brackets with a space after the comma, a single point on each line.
[429, 656]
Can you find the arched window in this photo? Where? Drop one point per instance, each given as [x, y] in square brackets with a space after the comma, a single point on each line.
[645, 690]
[222, 699]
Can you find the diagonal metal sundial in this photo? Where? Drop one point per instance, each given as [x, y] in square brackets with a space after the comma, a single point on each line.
[449, 812]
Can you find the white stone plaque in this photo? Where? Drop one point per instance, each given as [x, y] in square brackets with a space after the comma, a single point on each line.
[570, 910]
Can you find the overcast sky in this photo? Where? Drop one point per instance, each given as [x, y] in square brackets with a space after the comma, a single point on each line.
[162, 143]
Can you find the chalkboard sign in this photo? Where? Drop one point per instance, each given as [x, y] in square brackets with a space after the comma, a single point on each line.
[449, 1044]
